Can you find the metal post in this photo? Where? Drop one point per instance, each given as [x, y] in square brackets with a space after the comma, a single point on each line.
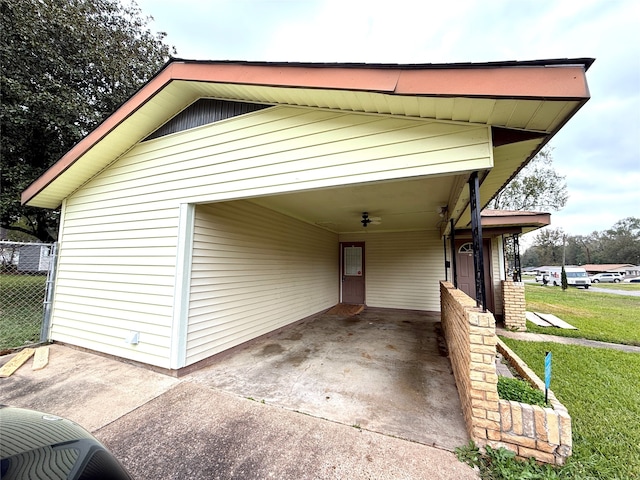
[476, 232]
[454, 273]
[48, 300]
[517, 277]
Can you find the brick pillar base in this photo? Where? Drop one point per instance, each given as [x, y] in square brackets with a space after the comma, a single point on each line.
[514, 305]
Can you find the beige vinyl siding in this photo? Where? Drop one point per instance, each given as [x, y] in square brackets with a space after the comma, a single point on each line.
[283, 149]
[117, 270]
[402, 269]
[115, 275]
[253, 271]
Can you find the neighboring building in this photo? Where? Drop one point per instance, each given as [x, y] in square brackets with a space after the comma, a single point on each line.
[626, 269]
[225, 199]
[25, 257]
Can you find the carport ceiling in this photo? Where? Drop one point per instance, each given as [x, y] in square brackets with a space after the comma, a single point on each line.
[402, 205]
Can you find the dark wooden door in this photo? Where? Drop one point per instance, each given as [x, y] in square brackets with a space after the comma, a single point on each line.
[466, 272]
[352, 263]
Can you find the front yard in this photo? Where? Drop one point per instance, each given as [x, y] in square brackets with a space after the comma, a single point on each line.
[598, 386]
[598, 316]
[600, 389]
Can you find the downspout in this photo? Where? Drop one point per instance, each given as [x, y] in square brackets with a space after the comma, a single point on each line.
[476, 232]
[446, 263]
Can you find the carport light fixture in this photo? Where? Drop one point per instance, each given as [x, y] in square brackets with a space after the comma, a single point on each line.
[365, 219]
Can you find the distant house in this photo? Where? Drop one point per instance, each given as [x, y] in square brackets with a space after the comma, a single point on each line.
[225, 200]
[25, 257]
[626, 269]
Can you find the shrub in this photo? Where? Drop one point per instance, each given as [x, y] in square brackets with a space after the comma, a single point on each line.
[519, 391]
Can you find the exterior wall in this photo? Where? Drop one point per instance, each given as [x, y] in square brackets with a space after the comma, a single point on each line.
[116, 274]
[402, 269]
[543, 433]
[285, 149]
[514, 305]
[119, 231]
[253, 271]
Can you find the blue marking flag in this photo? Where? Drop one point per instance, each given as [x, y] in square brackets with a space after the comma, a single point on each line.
[547, 370]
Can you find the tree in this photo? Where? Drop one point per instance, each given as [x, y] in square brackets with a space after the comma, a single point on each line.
[536, 187]
[618, 244]
[64, 67]
[622, 242]
[563, 279]
[546, 248]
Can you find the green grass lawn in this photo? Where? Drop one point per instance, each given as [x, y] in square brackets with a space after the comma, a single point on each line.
[601, 390]
[598, 316]
[21, 309]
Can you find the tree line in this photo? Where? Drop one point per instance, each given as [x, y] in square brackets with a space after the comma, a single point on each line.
[618, 244]
[64, 67]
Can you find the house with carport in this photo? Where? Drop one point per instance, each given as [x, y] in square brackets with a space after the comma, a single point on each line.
[225, 200]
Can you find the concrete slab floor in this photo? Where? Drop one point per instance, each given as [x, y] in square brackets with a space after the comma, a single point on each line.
[90, 390]
[380, 370]
[195, 432]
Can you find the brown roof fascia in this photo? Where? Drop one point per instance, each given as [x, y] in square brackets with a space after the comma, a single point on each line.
[537, 219]
[528, 80]
[142, 96]
[489, 232]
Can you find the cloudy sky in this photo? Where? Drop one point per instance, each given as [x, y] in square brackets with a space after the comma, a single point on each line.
[598, 150]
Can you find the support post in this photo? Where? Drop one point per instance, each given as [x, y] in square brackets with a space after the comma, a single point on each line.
[476, 232]
[446, 263]
[454, 273]
[517, 275]
[48, 299]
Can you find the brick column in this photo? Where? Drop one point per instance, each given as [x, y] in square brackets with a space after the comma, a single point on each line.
[514, 305]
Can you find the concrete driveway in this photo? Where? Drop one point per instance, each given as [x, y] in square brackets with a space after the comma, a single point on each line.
[194, 427]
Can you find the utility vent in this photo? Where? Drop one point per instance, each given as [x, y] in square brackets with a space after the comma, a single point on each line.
[203, 112]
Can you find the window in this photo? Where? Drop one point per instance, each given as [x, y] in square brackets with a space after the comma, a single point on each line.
[466, 248]
[353, 261]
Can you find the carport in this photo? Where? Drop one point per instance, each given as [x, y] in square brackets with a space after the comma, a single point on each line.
[226, 201]
[382, 370]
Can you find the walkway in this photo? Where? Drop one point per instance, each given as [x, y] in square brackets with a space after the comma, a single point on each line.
[541, 337]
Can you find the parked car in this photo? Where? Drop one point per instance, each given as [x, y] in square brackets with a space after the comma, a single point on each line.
[606, 278]
[632, 280]
[38, 445]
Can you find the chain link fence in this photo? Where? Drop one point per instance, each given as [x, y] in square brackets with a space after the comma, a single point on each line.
[26, 282]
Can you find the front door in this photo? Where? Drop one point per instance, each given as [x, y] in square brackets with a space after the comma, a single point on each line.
[352, 266]
[466, 270]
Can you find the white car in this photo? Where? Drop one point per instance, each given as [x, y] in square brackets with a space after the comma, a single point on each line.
[632, 280]
[606, 278]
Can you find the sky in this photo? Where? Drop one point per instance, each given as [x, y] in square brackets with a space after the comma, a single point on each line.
[598, 150]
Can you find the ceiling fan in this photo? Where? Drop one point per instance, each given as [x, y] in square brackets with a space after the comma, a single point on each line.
[366, 220]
